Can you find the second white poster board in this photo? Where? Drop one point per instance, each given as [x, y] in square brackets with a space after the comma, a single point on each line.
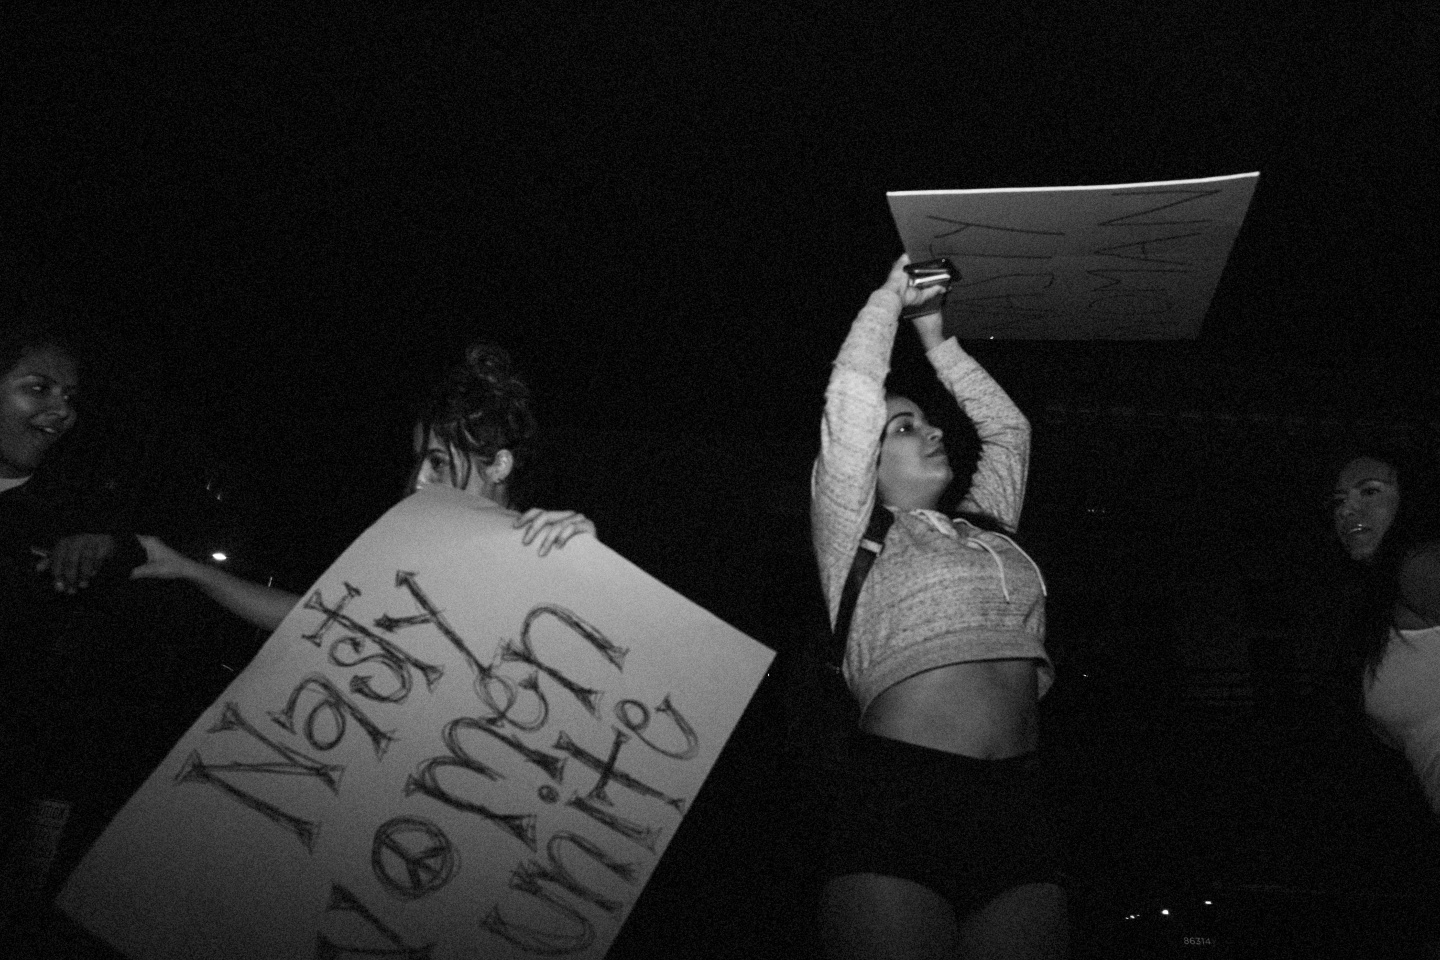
[1136, 261]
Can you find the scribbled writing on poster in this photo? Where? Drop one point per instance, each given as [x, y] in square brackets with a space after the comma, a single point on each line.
[440, 776]
[1125, 262]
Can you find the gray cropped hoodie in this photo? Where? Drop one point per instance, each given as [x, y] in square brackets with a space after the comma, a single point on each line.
[943, 591]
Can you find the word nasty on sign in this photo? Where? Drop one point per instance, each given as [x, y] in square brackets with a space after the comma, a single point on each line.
[411, 857]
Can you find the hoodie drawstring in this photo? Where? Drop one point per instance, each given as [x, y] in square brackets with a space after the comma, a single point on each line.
[944, 525]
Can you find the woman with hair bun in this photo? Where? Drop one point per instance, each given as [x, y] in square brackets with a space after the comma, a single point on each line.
[476, 433]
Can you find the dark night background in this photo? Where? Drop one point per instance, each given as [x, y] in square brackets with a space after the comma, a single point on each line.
[278, 222]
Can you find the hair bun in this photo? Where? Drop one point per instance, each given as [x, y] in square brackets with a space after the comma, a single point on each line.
[487, 368]
[481, 406]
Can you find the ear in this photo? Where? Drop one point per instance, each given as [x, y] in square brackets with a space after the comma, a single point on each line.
[499, 469]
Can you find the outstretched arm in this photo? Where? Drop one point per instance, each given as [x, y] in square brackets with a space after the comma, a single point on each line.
[254, 603]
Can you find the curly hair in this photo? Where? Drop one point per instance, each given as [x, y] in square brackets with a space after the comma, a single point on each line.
[480, 407]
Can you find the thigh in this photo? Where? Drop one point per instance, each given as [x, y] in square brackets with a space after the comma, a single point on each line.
[869, 916]
[1028, 922]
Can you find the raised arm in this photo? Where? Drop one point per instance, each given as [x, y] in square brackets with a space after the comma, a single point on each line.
[997, 488]
[254, 603]
[842, 486]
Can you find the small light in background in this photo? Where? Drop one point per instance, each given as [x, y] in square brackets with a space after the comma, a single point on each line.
[219, 556]
[1164, 913]
[1209, 903]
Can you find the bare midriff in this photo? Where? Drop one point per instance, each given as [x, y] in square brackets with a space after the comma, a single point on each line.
[986, 710]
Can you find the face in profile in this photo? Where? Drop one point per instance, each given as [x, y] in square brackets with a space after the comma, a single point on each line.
[437, 463]
[1366, 499]
[914, 468]
[36, 409]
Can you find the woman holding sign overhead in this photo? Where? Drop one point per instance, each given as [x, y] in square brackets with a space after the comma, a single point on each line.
[940, 842]
[476, 433]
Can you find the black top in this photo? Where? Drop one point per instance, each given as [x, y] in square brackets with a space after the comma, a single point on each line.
[33, 516]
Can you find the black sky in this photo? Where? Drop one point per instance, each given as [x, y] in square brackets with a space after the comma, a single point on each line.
[272, 217]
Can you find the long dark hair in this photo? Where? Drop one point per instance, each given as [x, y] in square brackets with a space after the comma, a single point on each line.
[21, 334]
[480, 407]
[1417, 522]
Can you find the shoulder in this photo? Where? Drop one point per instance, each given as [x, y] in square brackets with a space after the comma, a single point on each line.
[1421, 563]
[1420, 581]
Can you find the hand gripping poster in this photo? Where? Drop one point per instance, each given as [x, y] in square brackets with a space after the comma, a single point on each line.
[1133, 261]
[452, 747]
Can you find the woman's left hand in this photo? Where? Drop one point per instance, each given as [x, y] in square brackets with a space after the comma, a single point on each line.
[553, 527]
[75, 559]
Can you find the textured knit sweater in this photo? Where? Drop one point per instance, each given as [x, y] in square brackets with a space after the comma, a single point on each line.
[942, 591]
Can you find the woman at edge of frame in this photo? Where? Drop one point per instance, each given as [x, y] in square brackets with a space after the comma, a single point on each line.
[1385, 507]
[475, 434]
[1386, 517]
[940, 842]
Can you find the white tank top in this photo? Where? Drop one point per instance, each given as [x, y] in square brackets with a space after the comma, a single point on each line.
[1403, 699]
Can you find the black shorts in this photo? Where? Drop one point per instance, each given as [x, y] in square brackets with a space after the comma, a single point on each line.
[968, 829]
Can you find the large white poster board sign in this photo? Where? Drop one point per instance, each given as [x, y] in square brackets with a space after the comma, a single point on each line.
[452, 748]
[1136, 261]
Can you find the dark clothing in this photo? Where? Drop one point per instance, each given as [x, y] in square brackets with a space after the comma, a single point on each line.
[55, 645]
[33, 516]
[95, 686]
[968, 829]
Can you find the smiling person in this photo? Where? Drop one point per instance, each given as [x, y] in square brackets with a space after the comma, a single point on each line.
[44, 543]
[1386, 513]
[47, 631]
[37, 403]
[476, 434]
[940, 842]
[38, 526]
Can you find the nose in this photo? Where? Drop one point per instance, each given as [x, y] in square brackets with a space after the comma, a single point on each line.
[61, 409]
[936, 433]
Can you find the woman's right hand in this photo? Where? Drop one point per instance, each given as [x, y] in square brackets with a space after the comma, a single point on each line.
[161, 562]
[929, 323]
[910, 295]
[553, 527]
